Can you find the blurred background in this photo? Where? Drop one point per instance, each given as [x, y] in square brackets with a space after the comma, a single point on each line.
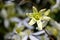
[13, 17]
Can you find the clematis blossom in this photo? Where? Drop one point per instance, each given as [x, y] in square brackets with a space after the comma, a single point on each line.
[38, 17]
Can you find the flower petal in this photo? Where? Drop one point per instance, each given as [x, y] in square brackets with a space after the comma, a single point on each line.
[26, 25]
[19, 24]
[46, 37]
[47, 12]
[38, 33]
[32, 22]
[44, 23]
[33, 38]
[25, 38]
[6, 23]
[35, 10]
[46, 18]
[26, 19]
[39, 23]
[15, 19]
[42, 11]
[4, 13]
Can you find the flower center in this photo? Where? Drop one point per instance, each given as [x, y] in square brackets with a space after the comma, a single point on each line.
[37, 16]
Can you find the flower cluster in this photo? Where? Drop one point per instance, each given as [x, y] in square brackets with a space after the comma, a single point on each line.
[26, 28]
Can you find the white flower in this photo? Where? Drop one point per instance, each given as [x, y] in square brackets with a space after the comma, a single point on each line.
[21, 25]
[12, 36]
[29, 34]
[38, 17]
